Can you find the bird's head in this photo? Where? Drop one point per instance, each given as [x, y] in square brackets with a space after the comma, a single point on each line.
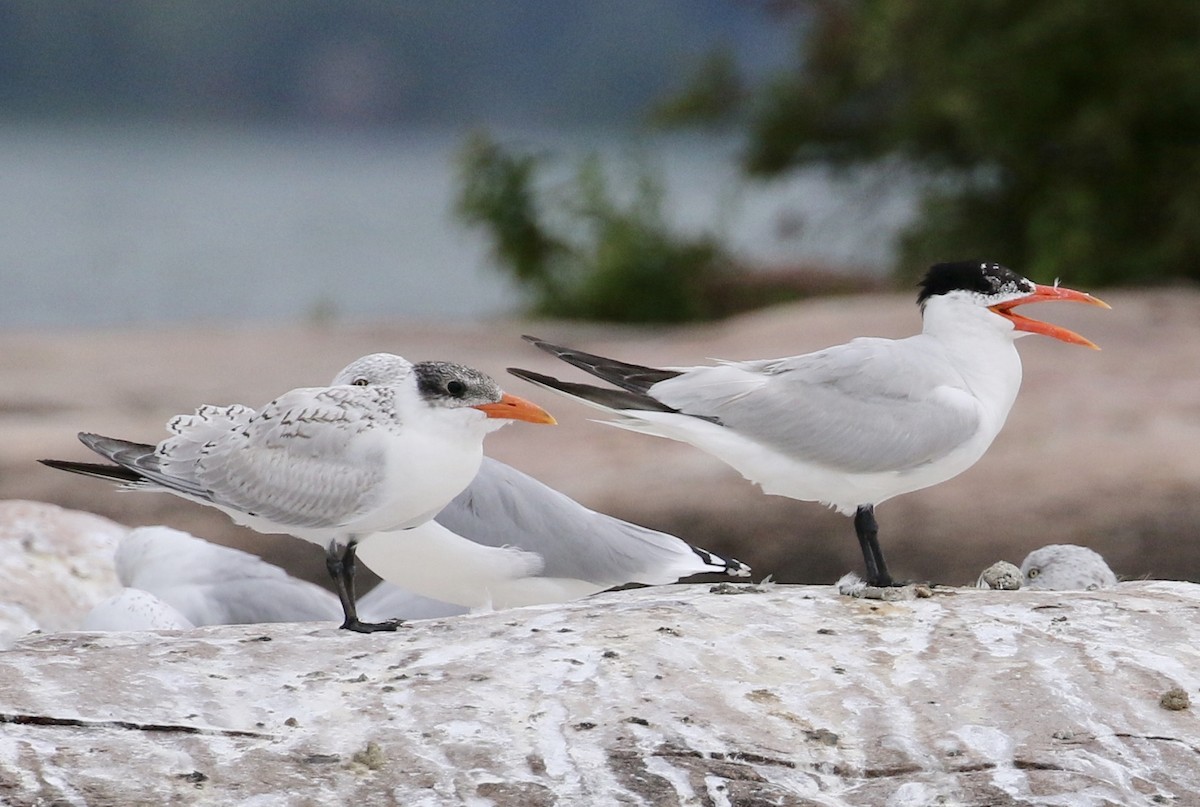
[444, 385]
[453, 386]
[998, 290]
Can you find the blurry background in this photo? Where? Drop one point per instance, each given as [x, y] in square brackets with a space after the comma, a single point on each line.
[201, 161]
[217, 201]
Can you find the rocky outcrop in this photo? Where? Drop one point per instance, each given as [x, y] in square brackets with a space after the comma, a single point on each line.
[696, 695]
[55, 564]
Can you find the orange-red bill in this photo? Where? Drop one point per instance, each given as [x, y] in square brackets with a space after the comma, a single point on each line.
[1043, 294]
[510, 407]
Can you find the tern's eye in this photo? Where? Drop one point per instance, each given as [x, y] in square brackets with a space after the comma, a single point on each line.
[456, 388]
[1034, 573]
[360, 382]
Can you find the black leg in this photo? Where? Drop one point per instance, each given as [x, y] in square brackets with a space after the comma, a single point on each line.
[868, 539]
[342, 566]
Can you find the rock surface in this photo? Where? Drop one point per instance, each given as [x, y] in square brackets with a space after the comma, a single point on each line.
[55, 564]
[681, 695]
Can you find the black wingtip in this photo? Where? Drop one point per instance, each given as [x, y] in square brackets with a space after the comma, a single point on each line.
[729, 566]
[111, 473]
[616, 400]
[60, 465]
[531, 376]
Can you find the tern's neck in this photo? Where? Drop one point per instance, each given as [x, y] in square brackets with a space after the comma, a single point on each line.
[980, 345]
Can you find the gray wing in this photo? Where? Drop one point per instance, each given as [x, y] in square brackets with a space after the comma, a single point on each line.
[504, 507]
[869, 405]
[137, 467]
[217, 585]
[635, 378]
[252, 601]
[292, 463]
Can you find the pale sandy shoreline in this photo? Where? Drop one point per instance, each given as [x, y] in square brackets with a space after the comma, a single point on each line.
[1102, 448]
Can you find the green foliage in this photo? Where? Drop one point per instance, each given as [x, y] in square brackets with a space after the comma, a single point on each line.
[712, 95]
[496, 191]
[1069, 130]
[612, 261]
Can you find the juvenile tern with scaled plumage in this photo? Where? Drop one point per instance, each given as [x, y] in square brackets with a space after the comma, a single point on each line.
[385, 447]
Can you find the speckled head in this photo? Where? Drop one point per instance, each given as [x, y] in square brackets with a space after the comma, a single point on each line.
[999, 289]
[988, 280]
[442, 383]
[374, 370]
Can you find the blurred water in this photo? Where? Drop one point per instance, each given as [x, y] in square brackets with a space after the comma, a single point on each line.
[146, 225]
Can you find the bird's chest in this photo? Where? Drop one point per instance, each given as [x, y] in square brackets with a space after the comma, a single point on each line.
[424, 470]
[986, 386]
[995, 385]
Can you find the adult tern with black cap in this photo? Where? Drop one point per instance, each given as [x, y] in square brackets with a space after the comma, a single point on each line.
[385, 447]
[853, 425]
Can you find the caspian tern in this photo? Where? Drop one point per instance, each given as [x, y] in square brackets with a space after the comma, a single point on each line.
[176, 581]
[508, 540]
[386, 447]
[210, 584]
[1060, 567]
[853, 425]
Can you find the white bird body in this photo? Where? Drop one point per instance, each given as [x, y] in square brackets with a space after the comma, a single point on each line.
[823, 426]
[508, 541]
[435, 562]
[855, 424]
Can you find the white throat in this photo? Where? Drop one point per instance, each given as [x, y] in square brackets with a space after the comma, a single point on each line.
[979, 344]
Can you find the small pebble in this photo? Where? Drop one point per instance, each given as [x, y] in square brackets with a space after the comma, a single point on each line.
[1174, 700]
[1001, 575]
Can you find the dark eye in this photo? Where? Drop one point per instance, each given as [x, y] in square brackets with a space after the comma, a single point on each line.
[1034, 573]
[360, 382]
[456, 388]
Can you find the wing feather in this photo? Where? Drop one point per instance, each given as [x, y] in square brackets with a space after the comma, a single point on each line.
[295, 462]
[504, 507]
[862, 407]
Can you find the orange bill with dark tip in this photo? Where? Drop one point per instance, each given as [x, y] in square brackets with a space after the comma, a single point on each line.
[1042, 294]
[510, 407]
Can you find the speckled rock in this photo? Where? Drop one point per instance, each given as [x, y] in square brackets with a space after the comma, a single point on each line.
[788, 695]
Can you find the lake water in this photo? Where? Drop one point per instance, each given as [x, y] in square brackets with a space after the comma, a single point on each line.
[148, 225]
